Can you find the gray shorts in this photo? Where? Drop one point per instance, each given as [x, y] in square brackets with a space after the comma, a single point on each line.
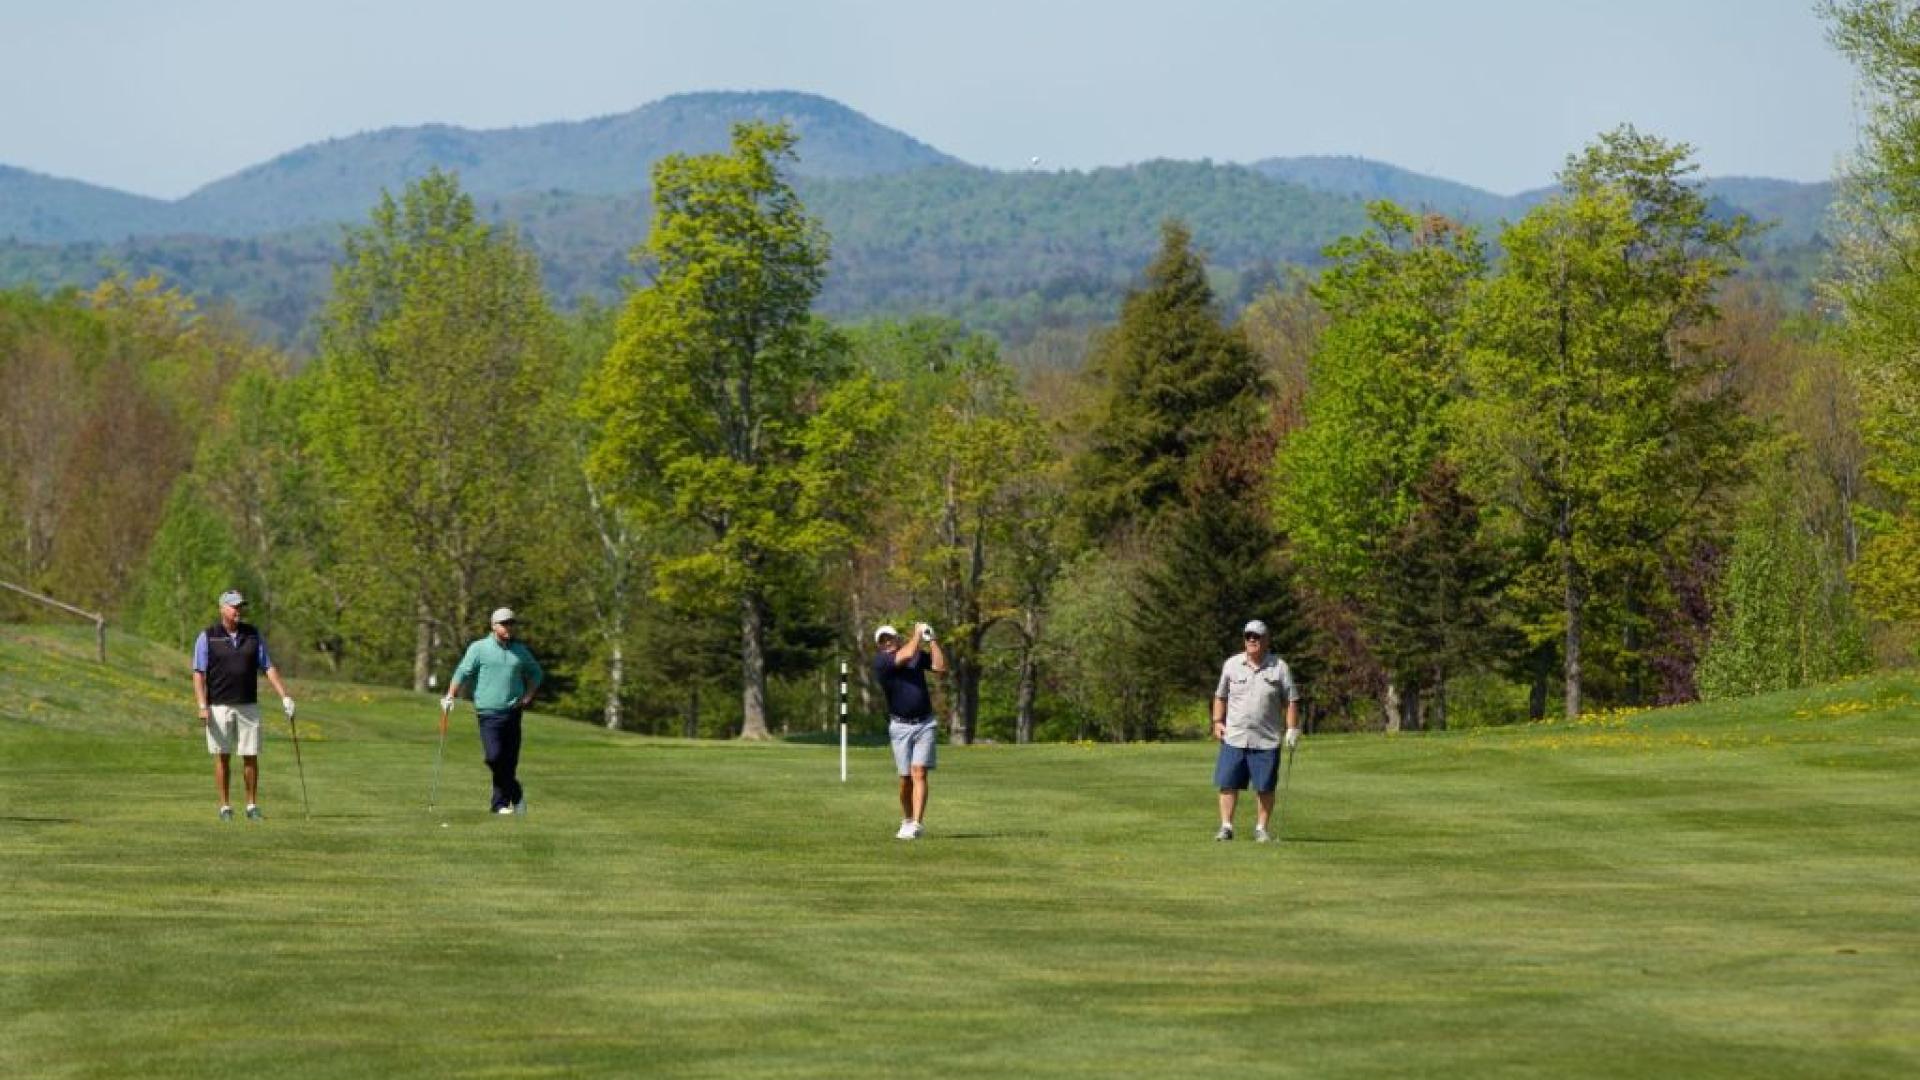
[913, 742]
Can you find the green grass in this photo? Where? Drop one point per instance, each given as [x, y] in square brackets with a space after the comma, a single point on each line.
[1716, 891]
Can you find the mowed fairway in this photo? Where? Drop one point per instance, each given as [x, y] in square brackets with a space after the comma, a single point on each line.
[1730, 891]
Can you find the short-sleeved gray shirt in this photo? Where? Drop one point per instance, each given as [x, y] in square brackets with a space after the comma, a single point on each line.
[1256, 700]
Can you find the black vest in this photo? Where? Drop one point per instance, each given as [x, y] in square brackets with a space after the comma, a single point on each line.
[233, 665]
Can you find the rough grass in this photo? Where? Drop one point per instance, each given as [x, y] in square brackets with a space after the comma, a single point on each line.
[1715, 891]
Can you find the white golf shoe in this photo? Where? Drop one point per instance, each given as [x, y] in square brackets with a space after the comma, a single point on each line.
[1260, 834]
[908, 831]
[1225, 833]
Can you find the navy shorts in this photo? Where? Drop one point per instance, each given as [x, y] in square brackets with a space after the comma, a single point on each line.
[1237, 766]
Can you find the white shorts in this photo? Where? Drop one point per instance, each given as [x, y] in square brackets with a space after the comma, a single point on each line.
[234, 729]
[913, 743]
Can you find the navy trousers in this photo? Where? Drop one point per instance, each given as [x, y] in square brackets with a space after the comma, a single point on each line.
[500, 741]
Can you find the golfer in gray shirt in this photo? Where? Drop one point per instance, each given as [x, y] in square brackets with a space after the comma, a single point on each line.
[1246, 719]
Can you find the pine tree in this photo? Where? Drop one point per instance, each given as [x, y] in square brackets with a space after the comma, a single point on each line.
[1173, 381]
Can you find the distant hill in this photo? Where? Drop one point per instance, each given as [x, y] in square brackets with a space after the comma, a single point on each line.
[46, 208]
[913, 229]
[1009, 250]
[1796, 211]
[1369, 180]
[338, 180]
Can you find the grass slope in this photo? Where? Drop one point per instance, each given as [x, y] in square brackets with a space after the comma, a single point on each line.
[1723, 891]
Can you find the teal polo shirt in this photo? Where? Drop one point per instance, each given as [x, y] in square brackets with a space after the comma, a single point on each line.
[500, 675]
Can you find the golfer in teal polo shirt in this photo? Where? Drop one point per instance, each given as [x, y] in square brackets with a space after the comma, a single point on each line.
[504, 675]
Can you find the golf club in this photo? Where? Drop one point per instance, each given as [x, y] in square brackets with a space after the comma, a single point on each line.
[1280, 806]
[306, 808]
[434, 791]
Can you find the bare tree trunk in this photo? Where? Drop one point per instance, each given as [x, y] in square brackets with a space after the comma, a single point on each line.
[1390, 706]
[1575, 603]
[856, 611]
[1437, 710]
[966, 698]
[1023, 695]
[753, 669]
[422, 646]
[616, 680]
[690, 724]
[1537, 697]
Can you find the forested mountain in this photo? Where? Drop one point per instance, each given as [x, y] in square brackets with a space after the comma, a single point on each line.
[337, 180]
[1008, 251]
[34, 206]
[1365, 179]
[1796, 211]
[913, 229]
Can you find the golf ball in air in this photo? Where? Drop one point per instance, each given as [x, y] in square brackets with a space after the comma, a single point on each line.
[443, 824]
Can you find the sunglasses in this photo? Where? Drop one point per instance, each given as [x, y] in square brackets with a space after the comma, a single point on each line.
[1253, 637]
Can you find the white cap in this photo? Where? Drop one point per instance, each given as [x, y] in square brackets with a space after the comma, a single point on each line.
[1256, 627]
[886, 631]
[501, 614]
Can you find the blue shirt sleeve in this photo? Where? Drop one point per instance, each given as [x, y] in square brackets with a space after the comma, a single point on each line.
[266, 661]
[200, 653]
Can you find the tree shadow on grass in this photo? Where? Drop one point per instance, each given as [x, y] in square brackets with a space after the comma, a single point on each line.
[39, 820]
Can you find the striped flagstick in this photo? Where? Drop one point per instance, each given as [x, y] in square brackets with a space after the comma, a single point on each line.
[843, 721]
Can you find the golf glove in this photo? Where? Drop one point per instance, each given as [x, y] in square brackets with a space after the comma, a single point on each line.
[287, 704]
[1293, 737]
[926, 632]
[446, 703]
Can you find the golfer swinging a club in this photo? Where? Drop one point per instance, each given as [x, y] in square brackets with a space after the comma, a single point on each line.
[228, 658]
[1246, 714]
[901, 670]
[504, 675]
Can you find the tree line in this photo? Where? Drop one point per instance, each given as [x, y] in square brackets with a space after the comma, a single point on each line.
[1465, 479]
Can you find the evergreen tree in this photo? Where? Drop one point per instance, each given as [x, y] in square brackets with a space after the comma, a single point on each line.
[1173, 380]
[1219, 564]
[1443, 616]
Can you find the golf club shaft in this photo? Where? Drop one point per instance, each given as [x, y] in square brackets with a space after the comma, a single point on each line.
[306, 808]
[439, 752]
[1280, 810]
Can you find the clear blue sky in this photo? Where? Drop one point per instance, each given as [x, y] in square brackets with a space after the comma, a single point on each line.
[161, 96]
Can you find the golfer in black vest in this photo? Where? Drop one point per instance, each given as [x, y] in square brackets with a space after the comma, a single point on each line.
[228, 658]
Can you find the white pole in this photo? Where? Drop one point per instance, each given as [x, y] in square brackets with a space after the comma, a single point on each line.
[843, 721]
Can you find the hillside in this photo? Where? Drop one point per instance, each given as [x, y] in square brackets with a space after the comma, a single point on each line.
[1369, 180]
[339, 179]
[1795, 211]
[1720, 892]
[913, 230]
[34, 207]
[948, 238]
